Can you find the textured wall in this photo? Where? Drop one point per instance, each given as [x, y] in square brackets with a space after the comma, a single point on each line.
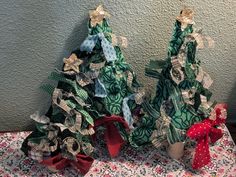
[35, 35]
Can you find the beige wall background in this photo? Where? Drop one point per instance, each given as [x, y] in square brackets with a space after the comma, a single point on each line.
[35, 35]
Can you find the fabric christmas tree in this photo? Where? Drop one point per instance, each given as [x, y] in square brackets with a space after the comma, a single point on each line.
[182, 96]
[96, 88]
[182, 93]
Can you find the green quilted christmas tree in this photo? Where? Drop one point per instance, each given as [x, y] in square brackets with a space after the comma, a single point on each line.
[97, 90]
[115, 94]
[182, 95]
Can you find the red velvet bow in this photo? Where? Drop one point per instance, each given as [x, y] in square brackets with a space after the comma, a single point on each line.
[204, 132]
[57, 162]
[112, 136]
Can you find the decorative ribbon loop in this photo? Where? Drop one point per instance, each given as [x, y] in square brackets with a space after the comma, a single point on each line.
[188, 95]
[46, 143]
[78, 90]
[176, 73]
[119, 41]
[58, 101]
[159, 135]
[108, 50]
[203, 132]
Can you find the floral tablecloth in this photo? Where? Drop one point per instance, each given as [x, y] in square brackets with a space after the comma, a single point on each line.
[146, 161]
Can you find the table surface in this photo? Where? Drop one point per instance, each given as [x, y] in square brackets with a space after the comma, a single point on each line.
[146, 161]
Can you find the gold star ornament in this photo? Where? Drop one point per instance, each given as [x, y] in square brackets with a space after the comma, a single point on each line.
[72, 63]
[97, 15]
[185, 18]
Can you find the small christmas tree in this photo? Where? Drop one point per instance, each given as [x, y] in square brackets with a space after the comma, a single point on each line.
[182, 96]
[182, 91]
[176, 79]
[96, 88]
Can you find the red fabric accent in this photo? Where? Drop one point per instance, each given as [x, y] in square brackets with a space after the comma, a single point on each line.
[113, 139]
[203, 132]
[83, 163]
[112, 136]
[57, 162]
[215, 134]
[202, 154]
[218, 108]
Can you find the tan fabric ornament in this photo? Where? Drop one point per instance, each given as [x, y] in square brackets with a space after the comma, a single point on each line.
[72, 63]
[207, 81]
[202, 40]
[185, 18]
[159, 136]
[97, 15]
[199, 74]
[76, 126]
[45, 145]
[129, 79]
[72, 145]
[139, 96]
[119, 41]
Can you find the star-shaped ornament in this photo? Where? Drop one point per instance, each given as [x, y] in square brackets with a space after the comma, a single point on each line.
[72, 63]
[185, 18]
[97, 15]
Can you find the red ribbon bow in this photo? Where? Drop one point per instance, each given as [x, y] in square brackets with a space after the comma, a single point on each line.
[113, 138]
[204, 132]
[57, 162]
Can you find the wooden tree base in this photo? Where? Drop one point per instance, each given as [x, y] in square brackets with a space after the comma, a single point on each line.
[176, 150]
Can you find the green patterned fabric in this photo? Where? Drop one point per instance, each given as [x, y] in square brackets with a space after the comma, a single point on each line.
[142, 133]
